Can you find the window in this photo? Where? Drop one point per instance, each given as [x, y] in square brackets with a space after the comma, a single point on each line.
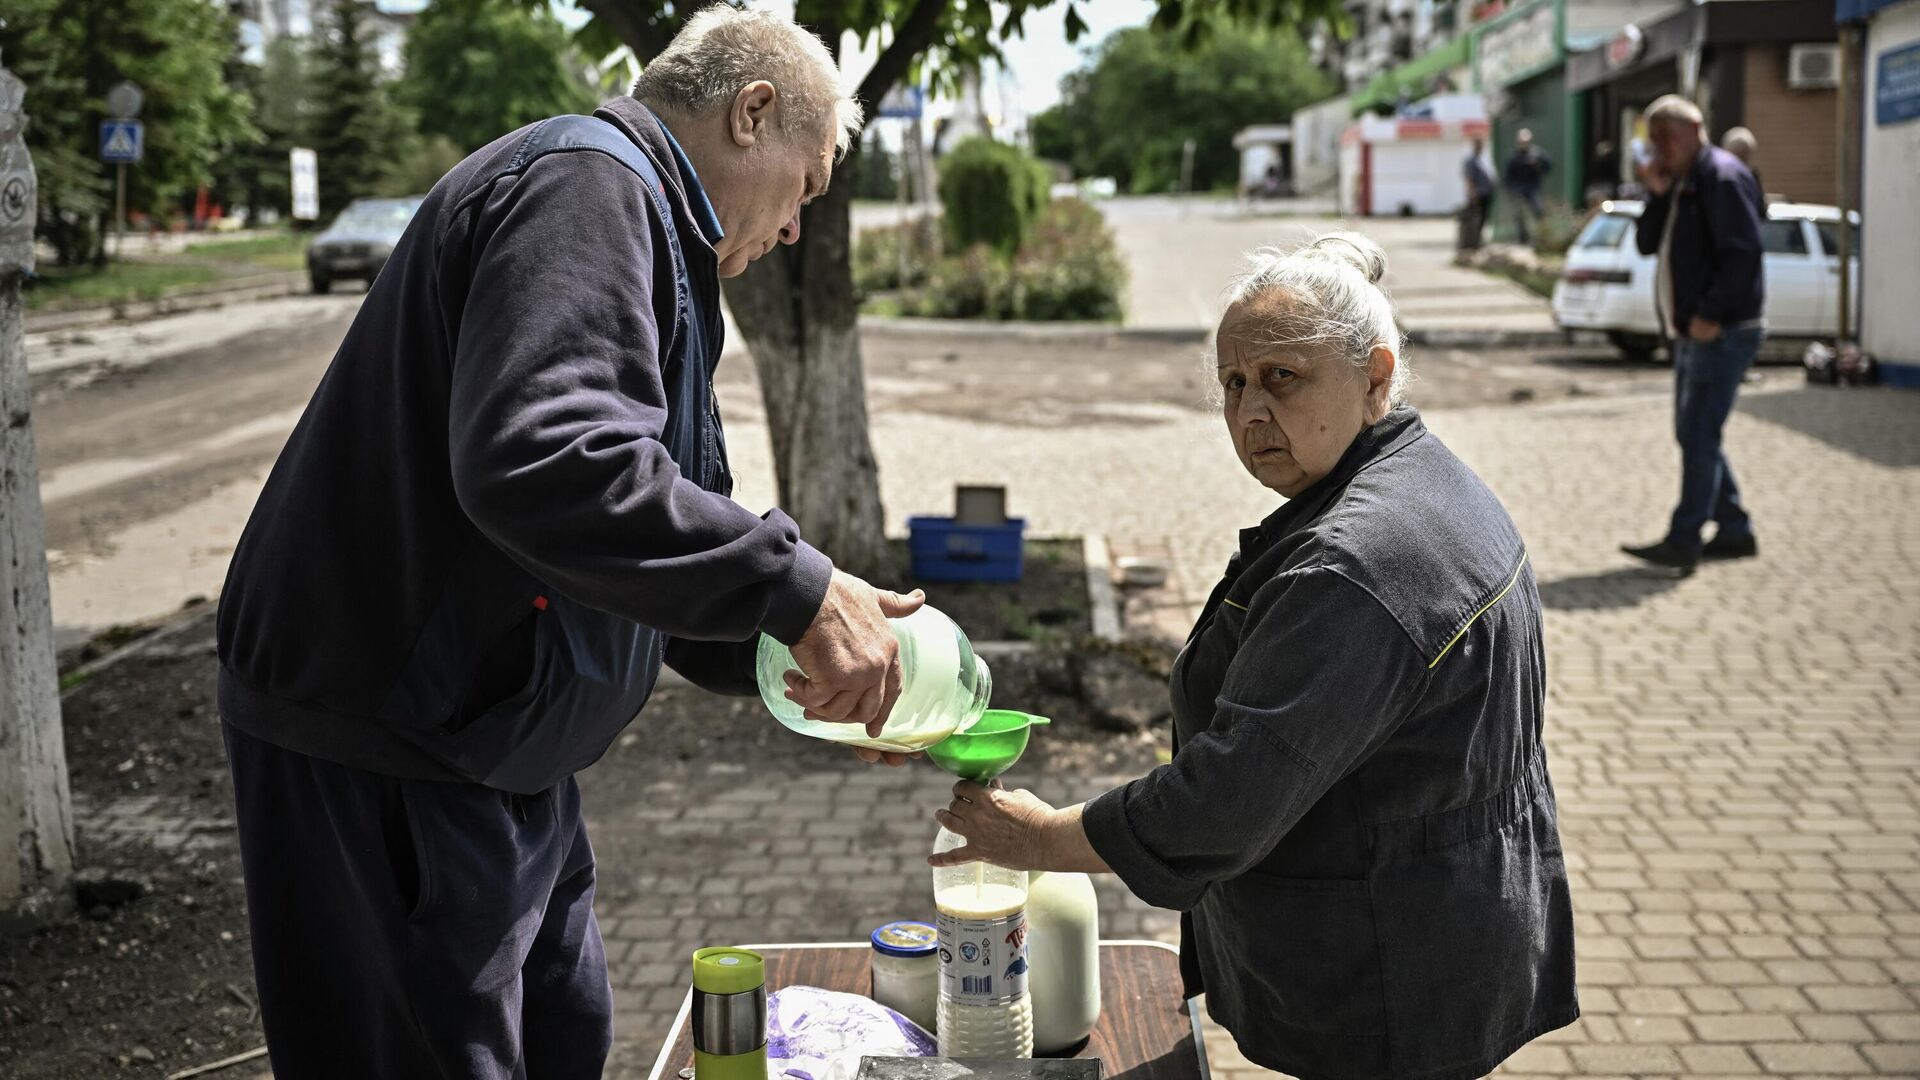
[1606, 231]
[1783, 237]
[1830, 238]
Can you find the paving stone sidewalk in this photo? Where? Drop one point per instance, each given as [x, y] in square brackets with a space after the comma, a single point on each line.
[1735, 753]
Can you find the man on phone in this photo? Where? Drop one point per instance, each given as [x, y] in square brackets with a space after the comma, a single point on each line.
[1702, 217]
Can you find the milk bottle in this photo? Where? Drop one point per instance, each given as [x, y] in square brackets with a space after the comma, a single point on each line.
[943, 687]
[984, 1009]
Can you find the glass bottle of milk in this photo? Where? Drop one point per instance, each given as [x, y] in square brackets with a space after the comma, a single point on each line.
[943, 687]
[984, 1008]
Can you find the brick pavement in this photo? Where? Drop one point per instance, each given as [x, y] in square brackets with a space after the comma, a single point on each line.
[1735, 753]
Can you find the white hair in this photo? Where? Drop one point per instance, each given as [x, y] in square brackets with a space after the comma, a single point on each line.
[723, 49]
[1739, 141]
[1334, 283]
[1674, 109]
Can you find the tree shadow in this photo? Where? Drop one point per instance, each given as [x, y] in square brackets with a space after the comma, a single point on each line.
[1879, 425]
[1611, 590]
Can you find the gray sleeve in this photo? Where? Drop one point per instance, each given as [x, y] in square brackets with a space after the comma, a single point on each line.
[1322, 676]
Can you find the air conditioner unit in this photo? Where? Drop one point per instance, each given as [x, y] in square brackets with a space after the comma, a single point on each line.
[1813, 67]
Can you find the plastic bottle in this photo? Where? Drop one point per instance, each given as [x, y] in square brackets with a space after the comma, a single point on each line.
[985, 1010]
[1063, 945]
[943, 687]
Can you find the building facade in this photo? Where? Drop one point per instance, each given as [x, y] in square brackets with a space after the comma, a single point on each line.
[1889, 139]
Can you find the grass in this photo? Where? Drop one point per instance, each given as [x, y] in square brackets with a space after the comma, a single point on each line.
[79, 286]
[1539, 281]
[273, 251]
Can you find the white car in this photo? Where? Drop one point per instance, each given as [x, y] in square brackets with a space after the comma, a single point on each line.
[1609, 286]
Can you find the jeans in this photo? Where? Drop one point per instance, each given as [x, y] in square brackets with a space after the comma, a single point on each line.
[1527, 212]
[1707, 378]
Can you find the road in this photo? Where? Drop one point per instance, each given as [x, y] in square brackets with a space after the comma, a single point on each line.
[154, 438]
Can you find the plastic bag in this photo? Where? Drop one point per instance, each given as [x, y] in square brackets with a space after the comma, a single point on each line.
[815, 1034]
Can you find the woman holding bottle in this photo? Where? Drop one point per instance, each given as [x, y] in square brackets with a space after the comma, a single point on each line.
[1357, 823]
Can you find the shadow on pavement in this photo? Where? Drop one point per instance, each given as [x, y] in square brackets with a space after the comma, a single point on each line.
[1626, 587]
[1878, 425]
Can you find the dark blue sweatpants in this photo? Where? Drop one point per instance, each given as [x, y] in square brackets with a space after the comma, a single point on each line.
[413, 929]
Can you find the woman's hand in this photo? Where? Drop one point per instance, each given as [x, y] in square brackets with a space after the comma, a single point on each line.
[1013, 829]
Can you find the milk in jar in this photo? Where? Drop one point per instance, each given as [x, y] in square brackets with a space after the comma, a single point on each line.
[985, 1010]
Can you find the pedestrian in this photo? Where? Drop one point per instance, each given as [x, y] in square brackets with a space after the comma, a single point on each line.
[1478, 174]
[1527, 170]
[505, 506]
[1357, 822]
[1702, 218]
[1740, 142]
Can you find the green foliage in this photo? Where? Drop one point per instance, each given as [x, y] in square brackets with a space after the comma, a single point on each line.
[477, 69]
[1128, 114]
[991, 194]
[360, 133]
[70, 52]
[873, 171]
[1069, 269]
[877, 261]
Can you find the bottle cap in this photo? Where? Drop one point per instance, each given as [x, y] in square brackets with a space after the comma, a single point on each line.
[906, 939]
[728, 971]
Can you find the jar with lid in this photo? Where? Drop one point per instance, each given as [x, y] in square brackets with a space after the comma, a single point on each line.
[906, 970]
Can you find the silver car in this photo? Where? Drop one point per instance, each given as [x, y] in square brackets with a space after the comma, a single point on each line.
[358, 242]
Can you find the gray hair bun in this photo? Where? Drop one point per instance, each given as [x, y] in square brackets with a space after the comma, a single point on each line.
[1351, 248]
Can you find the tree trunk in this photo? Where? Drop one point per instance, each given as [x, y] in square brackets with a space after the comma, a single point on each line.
[36, 816]
[797, 311]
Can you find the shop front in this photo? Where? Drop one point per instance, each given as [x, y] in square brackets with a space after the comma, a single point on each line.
[1518, 67]
[1767, 65]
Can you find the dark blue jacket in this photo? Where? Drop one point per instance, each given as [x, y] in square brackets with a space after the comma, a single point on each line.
[1716, 254]
[1358, 820]
[507, 501]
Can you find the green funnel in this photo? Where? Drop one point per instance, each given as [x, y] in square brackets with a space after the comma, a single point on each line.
[988, 748]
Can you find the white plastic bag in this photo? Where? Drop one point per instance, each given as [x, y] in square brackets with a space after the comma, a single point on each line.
[815, 1034]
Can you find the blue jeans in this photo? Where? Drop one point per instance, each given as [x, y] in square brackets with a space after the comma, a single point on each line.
[1706, 380]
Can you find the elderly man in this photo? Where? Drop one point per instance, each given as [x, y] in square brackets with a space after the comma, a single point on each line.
[1526, 175]
[1703, 217]
[505, 506]
[1740, 142]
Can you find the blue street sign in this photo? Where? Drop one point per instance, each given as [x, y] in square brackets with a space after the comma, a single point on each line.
[121, 141]
[903, 103]
[1896, 96]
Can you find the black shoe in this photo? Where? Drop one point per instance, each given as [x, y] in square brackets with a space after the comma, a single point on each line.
[1731, 547]
[1665, 553]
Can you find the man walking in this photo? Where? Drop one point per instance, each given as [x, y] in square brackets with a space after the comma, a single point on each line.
[1478, 176]
[1527, 170]
[1703, 217]
[504, 508]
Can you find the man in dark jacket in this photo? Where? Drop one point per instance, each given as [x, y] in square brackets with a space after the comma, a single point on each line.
[1702, 218]
[505, 507]
[1527, 171]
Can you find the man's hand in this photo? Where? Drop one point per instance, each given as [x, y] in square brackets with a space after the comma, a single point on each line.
[851, 660]
[1655, 179]
[1703, 331]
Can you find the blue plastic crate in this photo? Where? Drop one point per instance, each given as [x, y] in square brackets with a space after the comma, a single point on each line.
[944, 551]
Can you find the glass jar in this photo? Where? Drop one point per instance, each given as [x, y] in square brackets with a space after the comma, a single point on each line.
[906, 970]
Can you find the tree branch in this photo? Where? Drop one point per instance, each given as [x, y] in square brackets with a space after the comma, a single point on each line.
[913, 37]
[646, 37]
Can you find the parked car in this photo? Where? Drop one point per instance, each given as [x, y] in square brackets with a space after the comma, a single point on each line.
[358, 242]
[1609, 286]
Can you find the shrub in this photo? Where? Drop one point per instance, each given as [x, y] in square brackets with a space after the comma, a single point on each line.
[1070, 268]
[991, 193]
[876, 256]
[975, 285]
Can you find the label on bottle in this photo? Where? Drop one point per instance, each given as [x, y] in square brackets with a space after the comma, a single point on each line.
[983, 961]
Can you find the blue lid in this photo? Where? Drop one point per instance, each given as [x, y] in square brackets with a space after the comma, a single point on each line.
[906, 939]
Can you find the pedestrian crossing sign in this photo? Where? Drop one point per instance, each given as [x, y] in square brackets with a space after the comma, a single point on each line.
[121, 141]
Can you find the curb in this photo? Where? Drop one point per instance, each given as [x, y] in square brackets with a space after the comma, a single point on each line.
[259, 288]
[1488, 339]
[81, 675]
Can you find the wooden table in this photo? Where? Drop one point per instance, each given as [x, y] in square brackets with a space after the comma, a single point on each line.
[1146, 1032]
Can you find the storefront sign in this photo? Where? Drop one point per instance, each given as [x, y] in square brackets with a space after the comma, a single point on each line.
[1518, 48]
[1896, 86]
[1626, 47]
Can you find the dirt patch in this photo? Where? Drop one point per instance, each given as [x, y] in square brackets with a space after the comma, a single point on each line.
[164, 981]
[1048, 603]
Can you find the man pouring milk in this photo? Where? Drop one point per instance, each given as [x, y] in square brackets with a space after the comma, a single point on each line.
[504, 508]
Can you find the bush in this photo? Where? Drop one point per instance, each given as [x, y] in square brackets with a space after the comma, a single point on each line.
[991, 193]
[1069, 270]
[876, 256]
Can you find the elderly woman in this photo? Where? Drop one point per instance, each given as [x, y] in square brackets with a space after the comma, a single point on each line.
[1357, 821]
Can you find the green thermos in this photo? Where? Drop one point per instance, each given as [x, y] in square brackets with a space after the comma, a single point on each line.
[729, 1015]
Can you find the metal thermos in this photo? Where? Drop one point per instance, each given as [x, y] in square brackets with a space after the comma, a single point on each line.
[729, 1015]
